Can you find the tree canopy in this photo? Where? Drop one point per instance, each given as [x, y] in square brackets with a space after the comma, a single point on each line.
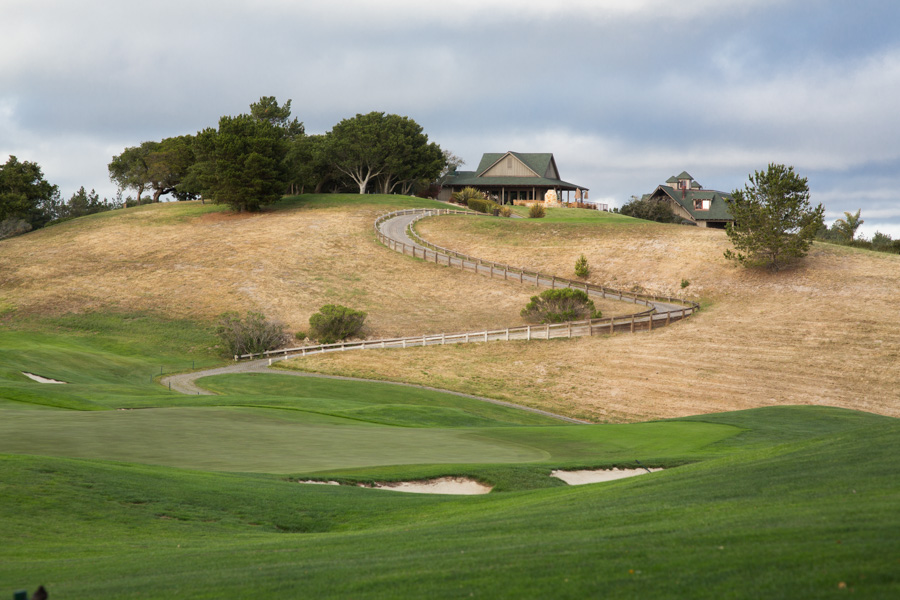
[25, 195]
[389, 147]
[774, 222]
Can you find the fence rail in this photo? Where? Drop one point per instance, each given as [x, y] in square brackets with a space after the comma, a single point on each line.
[657, 315]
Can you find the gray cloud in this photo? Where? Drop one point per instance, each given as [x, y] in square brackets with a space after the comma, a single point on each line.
[624, 92]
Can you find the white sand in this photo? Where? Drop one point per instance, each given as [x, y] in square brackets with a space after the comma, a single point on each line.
[596, 476]
[320, 482]
[40, 379]
[445, 485]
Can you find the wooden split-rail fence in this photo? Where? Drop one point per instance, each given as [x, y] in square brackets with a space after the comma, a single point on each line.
[661, 310]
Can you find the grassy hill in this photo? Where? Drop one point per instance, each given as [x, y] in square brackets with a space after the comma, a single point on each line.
[823, 333]
[113, 486]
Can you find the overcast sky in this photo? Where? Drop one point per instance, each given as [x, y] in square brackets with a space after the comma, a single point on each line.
[625, 93]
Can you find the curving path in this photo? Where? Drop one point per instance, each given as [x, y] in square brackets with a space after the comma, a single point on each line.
[396, 231]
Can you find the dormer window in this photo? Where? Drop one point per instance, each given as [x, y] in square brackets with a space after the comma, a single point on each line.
[701, 204]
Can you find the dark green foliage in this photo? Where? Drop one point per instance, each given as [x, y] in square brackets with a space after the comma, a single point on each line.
[248, 163]
[251, 334]
[773, 220]
[385, 146]
[582, 269]
[483, 205]
[685, 283]
[467, 193]
[537, 211]
[650, 210]
[559, 306]
[267, 109]
[25, 195]
[334, 322]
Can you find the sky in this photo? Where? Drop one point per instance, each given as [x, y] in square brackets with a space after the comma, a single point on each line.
[624, 93]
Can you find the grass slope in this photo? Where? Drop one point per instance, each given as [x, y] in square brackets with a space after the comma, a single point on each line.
[811, 516]
[825, 332]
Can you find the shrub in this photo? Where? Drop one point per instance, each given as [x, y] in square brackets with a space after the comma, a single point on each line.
[250, 335]
[582, 269]
[13, 226]
[483, 206]
[334, 322]
[505, 211]
[464, 195]
[559, 306]
[650, 210]
[685, 283]
[537, 211]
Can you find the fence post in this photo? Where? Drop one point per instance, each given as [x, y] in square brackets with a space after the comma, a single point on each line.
[507, 334]
[569, 329]
[612, 321]
[404, 342]
[632, 323]
[467, 338]
[485, 335]
[443, 339]
[668, 315]
[528, 336]
[553, 282]
[651, 321]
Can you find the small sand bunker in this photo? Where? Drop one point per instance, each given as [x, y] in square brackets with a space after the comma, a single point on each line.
[460, 486]
[40, 379]
[598, 475]
[320, 482]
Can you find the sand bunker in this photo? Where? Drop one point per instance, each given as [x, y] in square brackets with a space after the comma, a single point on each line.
[598, 475]
[445, 485]
[40, 379]
[459, 486]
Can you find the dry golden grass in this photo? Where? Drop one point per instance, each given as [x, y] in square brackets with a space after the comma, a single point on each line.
[826, 332]
[183, 260]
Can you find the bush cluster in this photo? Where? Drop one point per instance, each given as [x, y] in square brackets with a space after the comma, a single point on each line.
[559, 306]
[334, 322]
[537, 211]
[505, 211]
[484, 206]
[650, 210]
[251, 334]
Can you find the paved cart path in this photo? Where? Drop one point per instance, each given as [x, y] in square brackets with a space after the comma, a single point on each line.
[393, 231]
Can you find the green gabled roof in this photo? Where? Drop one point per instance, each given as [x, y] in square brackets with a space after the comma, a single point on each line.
[672, 179]
[718, 209]
[684, 175]
[537, 162]
[476, 181]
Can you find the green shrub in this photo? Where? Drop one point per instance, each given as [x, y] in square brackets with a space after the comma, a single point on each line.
[559, 306]
[582, 269]
[464, 195]
[537, 211]
[334, 322]
[249, 335]
[685, 283]
[483, 205]
[650, 210]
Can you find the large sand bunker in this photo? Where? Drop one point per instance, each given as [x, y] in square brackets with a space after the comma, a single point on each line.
[458, 486]
[40, 379]
[598, 475]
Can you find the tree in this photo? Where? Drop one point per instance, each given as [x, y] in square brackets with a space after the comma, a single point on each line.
[267, 109]
[25, 196]
[582, 268]
[308, 165]
[391, 147]
[129, 170]
[168, 163]
[773, 220]
[649, 210]
[847, 227]
[247, 168]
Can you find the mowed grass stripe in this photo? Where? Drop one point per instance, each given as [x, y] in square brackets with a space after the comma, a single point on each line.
[224, 439]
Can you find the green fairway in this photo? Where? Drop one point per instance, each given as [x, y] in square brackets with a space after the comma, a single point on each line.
[112, 486]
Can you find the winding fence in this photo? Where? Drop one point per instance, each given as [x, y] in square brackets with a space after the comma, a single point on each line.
[661, 311]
